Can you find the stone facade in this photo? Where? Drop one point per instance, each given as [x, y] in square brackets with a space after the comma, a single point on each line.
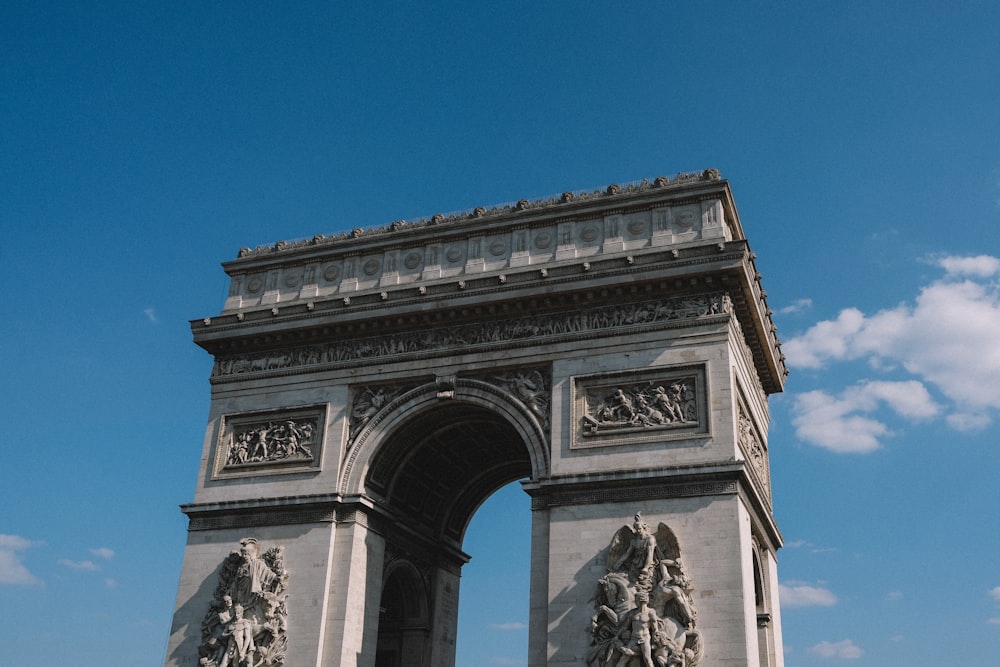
[612, 349]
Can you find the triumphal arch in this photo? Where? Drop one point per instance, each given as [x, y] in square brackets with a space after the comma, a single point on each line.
[612, 350]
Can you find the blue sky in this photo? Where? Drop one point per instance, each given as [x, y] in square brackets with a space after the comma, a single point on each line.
[141, 144]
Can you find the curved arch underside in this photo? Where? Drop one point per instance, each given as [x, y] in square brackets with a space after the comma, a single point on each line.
[439, 466]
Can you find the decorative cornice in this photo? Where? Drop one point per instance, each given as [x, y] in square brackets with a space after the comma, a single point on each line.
[637, 485]
[630, 493]
[646, 234]
[609, 193]
[288, 510]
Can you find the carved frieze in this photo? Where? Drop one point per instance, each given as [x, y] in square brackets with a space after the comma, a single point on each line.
[247, 621]
[269, 442]
[639, 406]
[526, 330]
[753, 448]
[644, 609]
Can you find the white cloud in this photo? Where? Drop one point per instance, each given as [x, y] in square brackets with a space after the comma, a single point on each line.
[516, 625]
[963, 421]
[86, 565]
[946, 339]
[846, 650]
[800, 594]
[12, 569]
[894, 595]
[841, 423]
[995, 593]
[797, 306]
[829, 339]
[981, 266]
[151, 315]
[995, 620]
[103, 552]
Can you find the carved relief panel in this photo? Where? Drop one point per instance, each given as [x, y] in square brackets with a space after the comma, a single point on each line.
[754, 448]
[276, 441]
[639, 406]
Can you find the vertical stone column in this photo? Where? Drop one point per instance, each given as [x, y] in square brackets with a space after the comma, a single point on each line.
[538, 602]
[444, 622]
[769, 568]
[355, 594]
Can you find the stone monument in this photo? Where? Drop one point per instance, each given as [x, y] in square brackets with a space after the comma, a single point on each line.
[612, 350]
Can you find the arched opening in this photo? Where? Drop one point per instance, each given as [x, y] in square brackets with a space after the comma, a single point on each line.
[403, 624]
[440, 465]
[494, 601]
[433, 472]
[763, 607]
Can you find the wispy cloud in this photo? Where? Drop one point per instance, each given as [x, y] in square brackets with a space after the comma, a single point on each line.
[797, 306]
[801, 594]
[83, 565]
[515, 625]
[894, 595]
[995, 593]
[12, 568]
[846, 650]
[151, 315]
[945, 339]
[809, 546]
[103, 552]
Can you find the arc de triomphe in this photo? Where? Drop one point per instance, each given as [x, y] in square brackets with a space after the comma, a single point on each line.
[612, 350]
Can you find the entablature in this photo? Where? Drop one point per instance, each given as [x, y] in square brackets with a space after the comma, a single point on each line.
[668, 240]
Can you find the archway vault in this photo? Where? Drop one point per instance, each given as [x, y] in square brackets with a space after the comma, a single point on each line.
[433, 455]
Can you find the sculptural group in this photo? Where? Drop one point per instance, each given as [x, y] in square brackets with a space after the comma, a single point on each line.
[644, 611]
[246, 622]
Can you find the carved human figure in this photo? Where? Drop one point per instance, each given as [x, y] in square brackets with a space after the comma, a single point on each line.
[294, 436]
[241, 647]
[666, 651]
[668, 403]
[640, 556]
[672, 591]
[622, 409]
[253, 578]
[647, 414]
[213, 627]
[259, 451]
[643, 622]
